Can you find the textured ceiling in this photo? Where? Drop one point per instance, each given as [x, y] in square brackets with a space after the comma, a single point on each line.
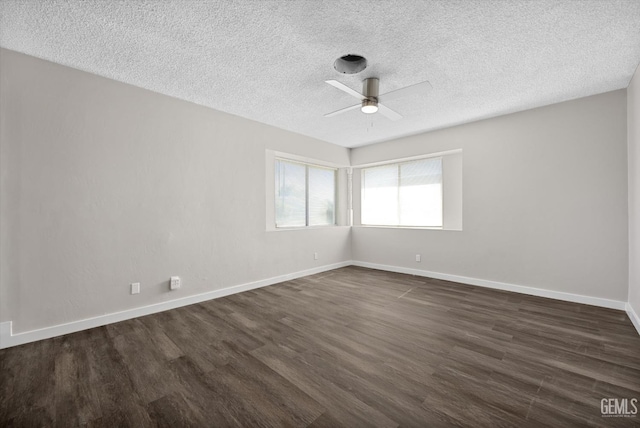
[268, 60]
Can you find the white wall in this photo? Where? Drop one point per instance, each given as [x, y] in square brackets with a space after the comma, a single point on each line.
[104, 184]
[633, 135]
[544, 201]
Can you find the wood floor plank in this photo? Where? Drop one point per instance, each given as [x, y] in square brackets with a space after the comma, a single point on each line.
[352, 347]
[27, 379]
[345, 406]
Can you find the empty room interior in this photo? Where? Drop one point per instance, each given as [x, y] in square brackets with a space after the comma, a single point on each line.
[319, 213]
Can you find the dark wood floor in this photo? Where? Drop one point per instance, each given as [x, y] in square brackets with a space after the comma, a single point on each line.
[352, 347]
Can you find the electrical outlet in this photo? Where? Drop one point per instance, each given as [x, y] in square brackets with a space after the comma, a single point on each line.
[315, 256]
[175, 283]
[135, 288]
[418, 258]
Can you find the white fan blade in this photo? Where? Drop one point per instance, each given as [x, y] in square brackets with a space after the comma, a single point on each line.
[346, 89]
[417, 89]
[342, 110]
[388, 113]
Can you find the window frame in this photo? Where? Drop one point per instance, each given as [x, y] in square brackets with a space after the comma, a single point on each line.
[307, 165]
[399, 165]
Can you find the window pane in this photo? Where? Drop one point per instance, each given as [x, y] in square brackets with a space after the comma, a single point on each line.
[290, 194]
[403, 194]
[380, 195]
[322, 191]
[421, 193]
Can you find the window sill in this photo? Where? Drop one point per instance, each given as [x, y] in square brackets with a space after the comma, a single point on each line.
[287, 229]
[366, 226]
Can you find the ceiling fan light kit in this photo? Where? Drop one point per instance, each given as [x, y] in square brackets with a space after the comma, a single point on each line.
[369, 106]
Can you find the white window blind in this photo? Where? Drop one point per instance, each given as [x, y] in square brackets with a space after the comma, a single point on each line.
[305, 194]
[403, 194]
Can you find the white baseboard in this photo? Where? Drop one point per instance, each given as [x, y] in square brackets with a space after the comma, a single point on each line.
[559, 295]
[9, 339]
[633, 316]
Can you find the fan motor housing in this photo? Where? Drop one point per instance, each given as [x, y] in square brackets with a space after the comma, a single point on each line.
[371, 88]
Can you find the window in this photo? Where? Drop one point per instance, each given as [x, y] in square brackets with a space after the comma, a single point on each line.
[305, 194]
[403, 194]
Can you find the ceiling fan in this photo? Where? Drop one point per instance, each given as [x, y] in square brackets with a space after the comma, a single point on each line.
[370, 98]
